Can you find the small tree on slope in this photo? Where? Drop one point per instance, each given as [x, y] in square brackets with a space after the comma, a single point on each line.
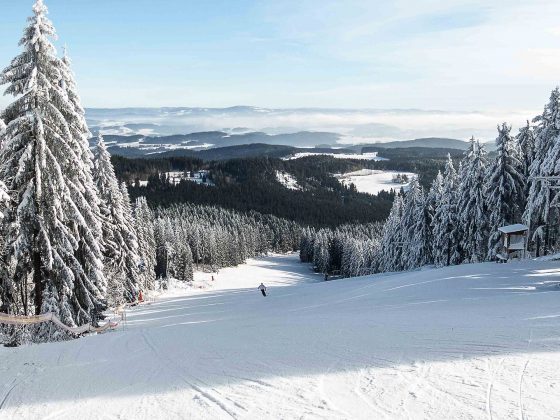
[47, 223]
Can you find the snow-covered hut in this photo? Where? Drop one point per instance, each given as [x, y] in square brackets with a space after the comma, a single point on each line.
[514, 240]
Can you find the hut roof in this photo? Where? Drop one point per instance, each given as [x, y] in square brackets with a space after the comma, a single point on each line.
[518, 228]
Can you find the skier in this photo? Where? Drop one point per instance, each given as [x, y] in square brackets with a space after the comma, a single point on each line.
[262, 288]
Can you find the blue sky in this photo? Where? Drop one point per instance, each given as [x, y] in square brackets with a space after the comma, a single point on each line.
[450, 55]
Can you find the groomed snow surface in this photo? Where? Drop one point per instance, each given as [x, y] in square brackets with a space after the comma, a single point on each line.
[467, 342]
[371, 181]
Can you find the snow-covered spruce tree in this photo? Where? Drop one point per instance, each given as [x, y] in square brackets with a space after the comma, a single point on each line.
[504, 187]
[422, 235]
[430, 206]
[473, 217]
[321, 257]
[144, 225]
[392, 239]
[115, 285]
[414, 229]
[51, 256]
[184, 263]
[82, 185]
[526, 141]
[546, 132]
[306, 245]
[130, 237]
[445, 243]
[353, 258]
[120, 244]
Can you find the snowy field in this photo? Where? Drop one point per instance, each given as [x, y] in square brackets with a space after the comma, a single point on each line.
[373, 181]
[287, 180]
[467, 342]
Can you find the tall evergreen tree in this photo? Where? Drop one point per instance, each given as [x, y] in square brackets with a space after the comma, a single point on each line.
[392, 239]
[445, 230]
[504, 188]
[321, 257]
[184, 264]
[472, 217]
[82, 186]
[144, 225]
[131, 239]
[120, 242]
[414, 228]
[547, 132]
[48, 237]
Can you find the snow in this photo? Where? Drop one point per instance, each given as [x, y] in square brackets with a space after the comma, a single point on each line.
[471, 341]
[364, 156]
[287, 180]
[373, 181]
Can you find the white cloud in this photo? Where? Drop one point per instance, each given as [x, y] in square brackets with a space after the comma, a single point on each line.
[425, 45]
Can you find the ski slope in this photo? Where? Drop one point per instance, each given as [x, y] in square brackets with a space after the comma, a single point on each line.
[467, 342]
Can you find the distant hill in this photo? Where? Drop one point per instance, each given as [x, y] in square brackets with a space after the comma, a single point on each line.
[254, 142]
[432, 142]
[226, 153]
[214, 139]
[234, 152]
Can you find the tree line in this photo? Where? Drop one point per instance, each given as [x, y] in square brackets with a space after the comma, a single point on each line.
[347, 251]
[456, 219]
[251, 184]
[189, 237]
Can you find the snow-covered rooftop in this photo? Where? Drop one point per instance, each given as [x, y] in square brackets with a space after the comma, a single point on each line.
[513, 228]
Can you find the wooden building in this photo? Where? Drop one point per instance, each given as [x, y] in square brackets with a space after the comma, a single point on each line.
[514, 241]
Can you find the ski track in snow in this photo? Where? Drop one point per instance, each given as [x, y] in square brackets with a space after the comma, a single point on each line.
[474, 341]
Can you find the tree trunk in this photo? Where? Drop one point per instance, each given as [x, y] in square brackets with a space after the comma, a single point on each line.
[37, 282]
